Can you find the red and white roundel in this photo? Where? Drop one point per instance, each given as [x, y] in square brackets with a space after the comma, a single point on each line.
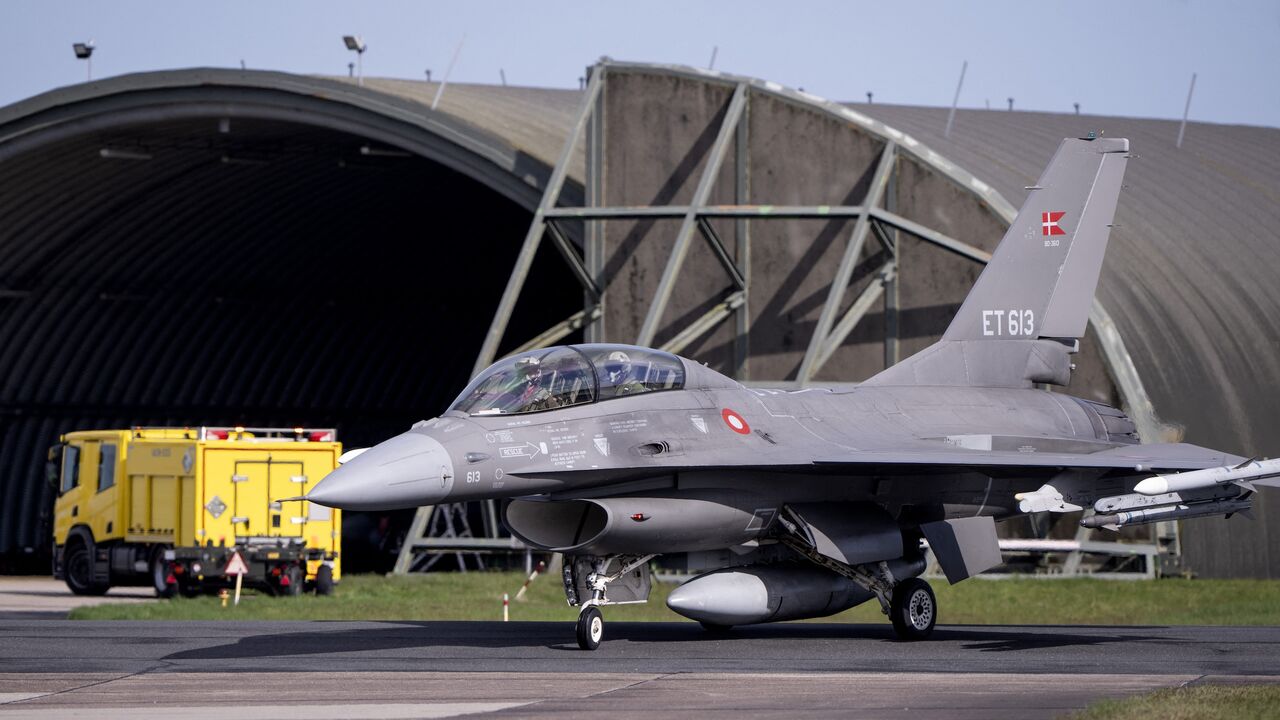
[736, 422]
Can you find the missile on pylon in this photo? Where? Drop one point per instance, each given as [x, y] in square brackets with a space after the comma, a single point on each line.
[1166, 512]
[1242, 474]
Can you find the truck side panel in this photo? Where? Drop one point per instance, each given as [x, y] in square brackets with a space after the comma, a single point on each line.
[161, 489]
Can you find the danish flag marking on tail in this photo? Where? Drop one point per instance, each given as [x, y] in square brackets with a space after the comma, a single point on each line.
[1049, 223]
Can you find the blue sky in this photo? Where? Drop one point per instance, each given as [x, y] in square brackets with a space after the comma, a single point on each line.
[1114, 58]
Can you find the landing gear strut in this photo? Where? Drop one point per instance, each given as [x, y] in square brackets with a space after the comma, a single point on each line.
[590, 577]
[909, 603]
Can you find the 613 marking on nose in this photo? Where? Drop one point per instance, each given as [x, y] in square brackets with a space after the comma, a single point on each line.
[1014, 323]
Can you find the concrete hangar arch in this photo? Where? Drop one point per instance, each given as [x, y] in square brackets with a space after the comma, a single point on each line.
[213, 246]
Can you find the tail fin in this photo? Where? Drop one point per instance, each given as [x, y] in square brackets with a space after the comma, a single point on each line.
[1032, 300]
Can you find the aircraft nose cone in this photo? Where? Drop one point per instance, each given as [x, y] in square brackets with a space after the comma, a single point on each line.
[406, 471]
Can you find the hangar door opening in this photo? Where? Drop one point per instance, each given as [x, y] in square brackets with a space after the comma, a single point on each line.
[185, 267]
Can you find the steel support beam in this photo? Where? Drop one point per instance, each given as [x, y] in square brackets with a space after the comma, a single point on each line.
[892, 296]
[529, 249]
[553, 334]
[704, 324]
[639, 212]
[742, 237]
[852, 253]
[575, 262]
[593, 249]
[418, 528]
[860, 307]
[709, 173]
[928, 235]
[721, 253]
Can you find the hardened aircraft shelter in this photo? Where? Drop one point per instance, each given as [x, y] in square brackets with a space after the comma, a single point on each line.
[214, 246]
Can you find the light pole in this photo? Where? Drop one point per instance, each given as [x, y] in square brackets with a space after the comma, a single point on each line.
[353, 42]
[84, 51]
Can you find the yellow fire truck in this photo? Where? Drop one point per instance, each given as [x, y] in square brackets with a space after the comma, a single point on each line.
[166, 507]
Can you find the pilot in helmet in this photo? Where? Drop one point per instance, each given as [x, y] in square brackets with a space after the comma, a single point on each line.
[533, 394]
[617, 370]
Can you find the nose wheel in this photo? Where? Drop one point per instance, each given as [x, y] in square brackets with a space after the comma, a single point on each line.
[590, 628]
[913, 609]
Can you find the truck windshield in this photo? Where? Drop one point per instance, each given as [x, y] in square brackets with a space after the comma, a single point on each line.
[566, 376]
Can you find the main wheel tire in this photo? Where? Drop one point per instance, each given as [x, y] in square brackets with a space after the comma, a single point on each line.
[160, 575]
[296, 579]
[913, 609]
[324, 581]
[79, 572]
[590, 628]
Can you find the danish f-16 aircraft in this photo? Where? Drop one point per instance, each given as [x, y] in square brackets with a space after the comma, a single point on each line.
[804, 503]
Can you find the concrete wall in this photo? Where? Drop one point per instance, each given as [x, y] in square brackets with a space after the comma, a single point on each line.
[658, 131]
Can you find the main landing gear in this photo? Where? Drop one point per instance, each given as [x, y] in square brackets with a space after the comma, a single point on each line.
[909, 603]
[913, 609]
[591, 577]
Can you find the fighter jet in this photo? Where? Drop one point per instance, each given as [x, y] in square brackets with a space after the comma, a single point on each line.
[803, 503]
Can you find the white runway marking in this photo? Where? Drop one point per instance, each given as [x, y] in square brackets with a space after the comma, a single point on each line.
[281, 712]
[15, 697]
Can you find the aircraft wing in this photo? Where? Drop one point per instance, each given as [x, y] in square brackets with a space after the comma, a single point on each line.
[1137, 458]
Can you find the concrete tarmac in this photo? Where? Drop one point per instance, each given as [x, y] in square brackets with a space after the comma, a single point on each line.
[43, 598]
[140, 670]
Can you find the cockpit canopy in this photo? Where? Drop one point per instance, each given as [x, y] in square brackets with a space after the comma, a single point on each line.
[572, 375]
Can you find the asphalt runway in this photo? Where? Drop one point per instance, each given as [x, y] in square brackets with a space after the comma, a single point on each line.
[317, 670]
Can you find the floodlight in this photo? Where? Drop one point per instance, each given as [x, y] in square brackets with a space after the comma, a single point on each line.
[353, 42]
[84, 51]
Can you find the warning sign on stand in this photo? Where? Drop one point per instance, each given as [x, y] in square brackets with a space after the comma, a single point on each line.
[236, 565]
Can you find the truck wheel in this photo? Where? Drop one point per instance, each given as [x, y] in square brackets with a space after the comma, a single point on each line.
[160, 575]
[324, 581]
[296, 578]
[80, 572]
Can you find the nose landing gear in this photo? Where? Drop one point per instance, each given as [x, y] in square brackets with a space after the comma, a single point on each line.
[590, 577]
[590, 628]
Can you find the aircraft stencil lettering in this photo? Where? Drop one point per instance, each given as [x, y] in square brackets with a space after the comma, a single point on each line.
[826, 497]
[1011, 322]
[526, 450]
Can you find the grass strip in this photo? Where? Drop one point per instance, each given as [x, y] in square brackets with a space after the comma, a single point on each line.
[478, 596]
[1236, 702]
